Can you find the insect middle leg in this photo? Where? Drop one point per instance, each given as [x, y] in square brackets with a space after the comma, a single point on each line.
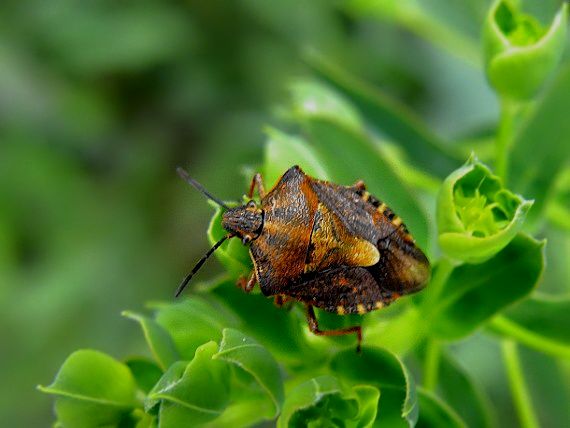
[314, 327]
[256, 183]
[247, 284]
[280, 300]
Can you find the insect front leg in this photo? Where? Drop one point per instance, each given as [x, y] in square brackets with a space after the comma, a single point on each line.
[247, 285]
[314, 327]
[256, 182]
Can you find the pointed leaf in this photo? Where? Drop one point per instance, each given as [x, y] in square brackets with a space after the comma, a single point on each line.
[312, 98]
[384, 370]
[368, 397]
[390, 117]
[474, 293]
[319, 402]
[436, 413]
[191, 323]
[282, 151]
[195, 392]
[92, 389]
[145, 372]
[254, 359]
[157, 338]
[542, 146]
[170, 377]
[249, 409]
[280, 329]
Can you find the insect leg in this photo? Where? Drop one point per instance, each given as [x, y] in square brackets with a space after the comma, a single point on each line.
[256, 182]
[314, 327]
[359, 185]
[280, 300]
[248, 285]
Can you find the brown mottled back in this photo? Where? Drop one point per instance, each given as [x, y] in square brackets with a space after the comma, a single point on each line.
[315, 232]
[289, 212]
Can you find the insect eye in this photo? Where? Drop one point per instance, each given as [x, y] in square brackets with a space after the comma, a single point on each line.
[246, 239]
[251, 204]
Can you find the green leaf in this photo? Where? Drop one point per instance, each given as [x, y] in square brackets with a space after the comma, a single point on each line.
[476, 215]
[384, 370]
[463, 394]
[361, 159]
[390, 117]
[540, 322]
[255, 360]
[474, 293]
[519, 54]
[191, 323]
[398, 332]
[143, 419]
[558, 210]
[311, 98]
[157, 339]
[541, 148]
[145, 372]
[368, 397]
[441, 23]
[277, 328]
[170, 377]
[192, 393]
[436, 413]
[249, 408]
[282, 151]
[322, 401]
[92, 389]
[232, 253]
[557, 270]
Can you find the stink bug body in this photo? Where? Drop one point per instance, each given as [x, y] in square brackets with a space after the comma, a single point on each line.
[334, 247]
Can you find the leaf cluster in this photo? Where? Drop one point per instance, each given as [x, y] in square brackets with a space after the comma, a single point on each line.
[222, 358]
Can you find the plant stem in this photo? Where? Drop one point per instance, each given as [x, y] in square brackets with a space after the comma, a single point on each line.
[433, 351]
[504, 326]
[505, 136]
[521, 397]
[444, 268]
[431, 364]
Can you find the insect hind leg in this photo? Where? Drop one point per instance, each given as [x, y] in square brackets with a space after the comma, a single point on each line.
[314, 327]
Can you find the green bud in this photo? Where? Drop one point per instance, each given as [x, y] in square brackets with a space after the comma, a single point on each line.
[519, 52]
[476, 216]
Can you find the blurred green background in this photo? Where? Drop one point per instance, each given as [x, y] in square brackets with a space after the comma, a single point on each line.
[101, 100]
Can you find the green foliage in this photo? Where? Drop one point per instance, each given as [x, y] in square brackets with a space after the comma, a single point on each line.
[93, 389]
[219, 357]
[473, 293]
[477, 217]
[519, 53]
[322, 401]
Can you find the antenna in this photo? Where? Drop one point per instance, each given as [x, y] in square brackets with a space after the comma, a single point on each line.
[186, 280]
[184, 175]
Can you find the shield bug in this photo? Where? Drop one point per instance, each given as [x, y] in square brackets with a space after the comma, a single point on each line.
[334, 247]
